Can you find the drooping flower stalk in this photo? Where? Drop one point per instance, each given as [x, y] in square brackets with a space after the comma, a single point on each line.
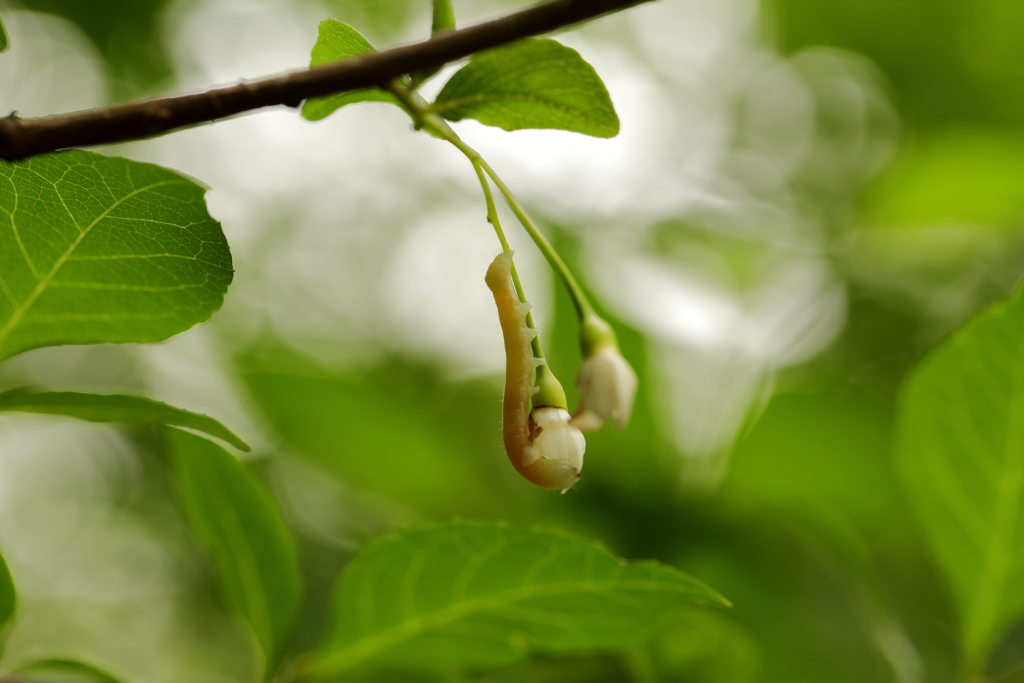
[606, 380]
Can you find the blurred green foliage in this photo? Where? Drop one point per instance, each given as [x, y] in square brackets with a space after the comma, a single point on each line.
[959, 449]
[535, 83]
[245, 534]
[950, 62]
[63, 671]
[126, 32]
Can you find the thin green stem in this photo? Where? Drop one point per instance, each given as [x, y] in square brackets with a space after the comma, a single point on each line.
[550, 390]
[423, 118]
[492, 213]
[492, 218]
[579, 297]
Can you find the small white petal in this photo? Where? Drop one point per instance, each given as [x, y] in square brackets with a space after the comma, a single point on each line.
[607, 388]
[556, 439]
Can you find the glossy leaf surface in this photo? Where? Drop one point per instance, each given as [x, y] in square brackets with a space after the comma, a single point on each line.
[535, 83]
[97, 249]
[429, 445]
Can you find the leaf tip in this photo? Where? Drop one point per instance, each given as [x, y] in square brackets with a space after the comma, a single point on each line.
[613, 130]
[312, 111]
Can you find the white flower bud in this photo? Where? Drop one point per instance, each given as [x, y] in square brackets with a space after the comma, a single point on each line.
[555, 454]
[607, 388]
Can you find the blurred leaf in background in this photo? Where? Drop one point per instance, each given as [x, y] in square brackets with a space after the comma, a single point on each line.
[126, 33]
[952, 62]
[243, 530]
[398, 431]
[473, 595]
[962, 457]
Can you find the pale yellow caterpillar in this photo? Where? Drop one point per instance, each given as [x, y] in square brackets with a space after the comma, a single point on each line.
[541, 445]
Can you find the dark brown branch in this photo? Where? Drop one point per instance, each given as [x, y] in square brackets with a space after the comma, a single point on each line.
[21, 138]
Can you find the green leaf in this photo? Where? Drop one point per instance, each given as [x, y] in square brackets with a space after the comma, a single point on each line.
[961, 451]
[535, 83]
[8, 594]
[4, 40]
[96, 249]
[337, 42]
[234, 515]
[480, 595]
[62, 671]
[114, 408]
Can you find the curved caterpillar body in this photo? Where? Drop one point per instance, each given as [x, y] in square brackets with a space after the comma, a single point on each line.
[530, 453]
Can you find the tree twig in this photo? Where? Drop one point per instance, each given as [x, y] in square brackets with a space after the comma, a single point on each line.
[22, 138]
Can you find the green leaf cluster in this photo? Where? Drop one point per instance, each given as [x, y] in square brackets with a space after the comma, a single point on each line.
[534, 83]
[95, 249]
